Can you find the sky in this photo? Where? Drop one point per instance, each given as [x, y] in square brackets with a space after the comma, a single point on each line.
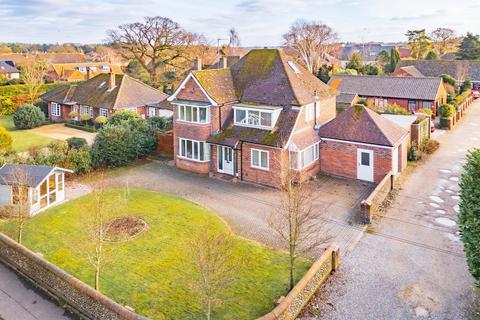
[258, 22]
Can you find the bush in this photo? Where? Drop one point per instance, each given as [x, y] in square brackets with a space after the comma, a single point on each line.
[101, 119]
[6, 141]
[469, 216]
[7, 106]
[114, 146]
[396, 109]
[427, 111]
[413, 154]
[73, 114]
[156, 124]
[430, 146]
[466, 85]
[80, 159]
[363, 101]
[85, 118]
[43, 106]
[448, 79]
[127, 118]
[447, 110]
[28, 116]
[76, 143]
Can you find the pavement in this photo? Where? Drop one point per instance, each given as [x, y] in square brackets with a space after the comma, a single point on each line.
[20, 301]
[60, 132]
[411, 265]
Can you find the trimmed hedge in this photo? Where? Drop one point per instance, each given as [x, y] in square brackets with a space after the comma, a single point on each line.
[447, 110]
[469, 216]
[84, 128]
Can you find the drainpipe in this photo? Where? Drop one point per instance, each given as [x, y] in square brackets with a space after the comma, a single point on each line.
[219, 118]
[241, 160]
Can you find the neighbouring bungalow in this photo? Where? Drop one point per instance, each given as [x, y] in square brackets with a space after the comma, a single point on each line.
[38, 186]
[9, 70]
[361, 144]
[407, 71]
[411, 93]
[254, 120]
[345, 101]
[79, 71]
[102, 95]
[21, 59]
[417, 125]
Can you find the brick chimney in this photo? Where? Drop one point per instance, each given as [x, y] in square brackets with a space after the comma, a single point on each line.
[111, 80]
[88, 73]
[224, 62]
[198, 64]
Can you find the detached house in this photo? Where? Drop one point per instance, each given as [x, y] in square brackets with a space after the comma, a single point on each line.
[9, 70]
[102, 95]
[253, 120]
[411, 93]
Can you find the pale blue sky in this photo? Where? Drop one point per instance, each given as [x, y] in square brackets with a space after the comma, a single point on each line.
[259, 22]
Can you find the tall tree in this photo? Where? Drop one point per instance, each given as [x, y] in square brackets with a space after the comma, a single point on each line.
[431, 55]
[33, 74]
[419, 43]
[444, 40]
[156, 42]
[312, 41]
[233, 38]
[215, 267]
[469, 48]
[394, 59]
[356, 62]
[295, 222]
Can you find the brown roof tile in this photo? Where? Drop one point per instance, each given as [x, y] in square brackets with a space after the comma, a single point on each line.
[218, 83]
[360, 124]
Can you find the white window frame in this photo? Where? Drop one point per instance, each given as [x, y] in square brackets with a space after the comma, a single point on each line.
[309, 114]
[56, 110]
[299, 155]
[273, 114]
[260, 159]
[380, 102]
[152, 112]
[196, 110]
[103, 112]
[206, 150]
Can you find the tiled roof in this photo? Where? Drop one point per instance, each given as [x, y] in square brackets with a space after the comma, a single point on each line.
[218, 83]
[456, 68]
[21, 58]
[425, 88]
[360, 124]
[411, 70]
[32, 175]
[7, 66]
[277, 137]
[128, 92]
[346, 98]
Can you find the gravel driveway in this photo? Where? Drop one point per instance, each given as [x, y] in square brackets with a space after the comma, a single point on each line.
[60, 132]
[412, 265]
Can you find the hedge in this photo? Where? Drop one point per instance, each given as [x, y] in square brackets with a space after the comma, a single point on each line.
[84, 128]
[469, 216]
[462, 97]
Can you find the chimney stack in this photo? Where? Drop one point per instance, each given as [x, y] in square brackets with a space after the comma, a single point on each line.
[111, 81]
[224, 62]
[88, 73]
[198, 64]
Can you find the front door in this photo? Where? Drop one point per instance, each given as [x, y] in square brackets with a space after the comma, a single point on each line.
[365, 164]
[225, 160]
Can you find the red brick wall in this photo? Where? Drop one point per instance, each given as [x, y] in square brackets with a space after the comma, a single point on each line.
[278, 161]
[65, 110]
[401, 73]
[192, 91]
[192, 166]
[339, 158]
[327, 112]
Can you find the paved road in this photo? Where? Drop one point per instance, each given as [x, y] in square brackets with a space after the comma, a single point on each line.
[20, 301]
[415, 266]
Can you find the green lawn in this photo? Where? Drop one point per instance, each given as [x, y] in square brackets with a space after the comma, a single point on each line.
[23, 139]
[148, 273]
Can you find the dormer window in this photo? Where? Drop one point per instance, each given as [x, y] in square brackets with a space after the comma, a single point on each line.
[82, 69]
[257, 118]
[105, 68]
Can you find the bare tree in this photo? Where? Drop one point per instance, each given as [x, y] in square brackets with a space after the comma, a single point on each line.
[295, 222]
[156, 42]
[215, 267]
[33, 74]
[444, 40]
[234, 38]
[312, 41]
[19, 210]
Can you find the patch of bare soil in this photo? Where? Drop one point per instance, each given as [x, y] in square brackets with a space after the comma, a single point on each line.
[125, 228]
[422, 301]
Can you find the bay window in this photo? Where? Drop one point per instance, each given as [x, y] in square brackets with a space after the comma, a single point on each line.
[193, 114]
[259, 159]
[193, 150]
[305, 157]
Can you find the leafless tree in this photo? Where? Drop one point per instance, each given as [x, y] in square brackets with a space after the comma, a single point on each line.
[215, 267]
[295, 222]
[444, 40]
[234, 38]
[33, 74]
[312, 41]
[19, 210]
[155, 43]
[107, 54]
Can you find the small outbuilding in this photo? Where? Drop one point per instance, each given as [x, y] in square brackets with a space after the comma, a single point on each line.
[40, 187]
[361, 144]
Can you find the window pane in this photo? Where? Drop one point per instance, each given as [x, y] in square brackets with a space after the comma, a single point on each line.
[203, 115]
[202, 151]
[254, 118]
[266, 119]
[240, 115]
[183, 147]
[181, 112]
[264, 156]
[195, 150]
[188, 113]
[365, 159]
[189, 149]
[194, 114]
[255, 160]
[220, 157]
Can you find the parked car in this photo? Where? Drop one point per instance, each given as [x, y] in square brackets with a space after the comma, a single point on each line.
[476, 94]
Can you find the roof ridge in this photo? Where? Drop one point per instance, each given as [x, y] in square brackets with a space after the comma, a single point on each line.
[144, 84]
[119, 89]
[378, 117]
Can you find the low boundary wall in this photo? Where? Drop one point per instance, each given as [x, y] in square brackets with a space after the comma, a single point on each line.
[290, 306]
[378, 195]
[79, 297]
